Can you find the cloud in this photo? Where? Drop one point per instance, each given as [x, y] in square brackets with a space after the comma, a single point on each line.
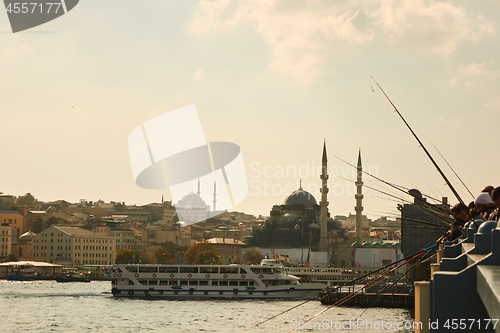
[13, 52]
[475, 69]
[198, 75]
[493, 104]
[450, 120]
[302, 34]
[430, 25]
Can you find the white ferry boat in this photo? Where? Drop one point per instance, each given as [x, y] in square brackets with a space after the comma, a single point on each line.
[322, 275]
[208, 281]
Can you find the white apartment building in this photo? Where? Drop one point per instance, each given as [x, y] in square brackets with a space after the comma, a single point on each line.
[71, 246]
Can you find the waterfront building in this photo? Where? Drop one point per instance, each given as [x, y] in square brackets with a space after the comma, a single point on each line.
[15, 220]
[228, 249]
[23, 247]
[5, 241]
[71, 246]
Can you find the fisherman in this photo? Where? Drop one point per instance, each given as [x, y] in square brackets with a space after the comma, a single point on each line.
[495, 197]
[487, 189]
[460, 213]
[484, 205]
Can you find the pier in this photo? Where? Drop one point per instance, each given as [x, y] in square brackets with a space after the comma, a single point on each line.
[464, 283]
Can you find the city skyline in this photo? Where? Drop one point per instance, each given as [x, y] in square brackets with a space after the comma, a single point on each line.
[277, 78]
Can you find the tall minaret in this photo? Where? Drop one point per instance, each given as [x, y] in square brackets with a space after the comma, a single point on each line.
[323, 243]
[215, 194]
[199, 187]
[359, 197]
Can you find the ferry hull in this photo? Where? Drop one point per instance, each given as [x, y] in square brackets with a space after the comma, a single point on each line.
[218, 294]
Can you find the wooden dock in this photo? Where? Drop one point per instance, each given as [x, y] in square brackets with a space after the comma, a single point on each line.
[386, 300]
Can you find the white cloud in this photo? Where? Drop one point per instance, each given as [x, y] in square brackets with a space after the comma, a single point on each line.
[301, 33]
[304, 33]
[475, 69]
[198, 74]
[430, 25]
[493, 104]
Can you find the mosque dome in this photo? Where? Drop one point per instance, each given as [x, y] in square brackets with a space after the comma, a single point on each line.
[191, 201]
[301, 197]
[26, 237]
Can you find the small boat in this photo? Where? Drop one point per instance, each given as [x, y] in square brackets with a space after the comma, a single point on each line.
[22, 273]
[208, 281]
[72, 278]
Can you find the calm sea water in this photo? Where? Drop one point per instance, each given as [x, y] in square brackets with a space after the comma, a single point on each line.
[47, 306]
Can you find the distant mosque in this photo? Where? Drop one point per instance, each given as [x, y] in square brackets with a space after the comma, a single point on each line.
[302, 208]
[191, 208]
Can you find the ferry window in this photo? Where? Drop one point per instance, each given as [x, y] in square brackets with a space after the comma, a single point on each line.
[215, 283]
[188, 269]
[147, 269]
[169, 270]
[143, 282]
[193, 283]
[229, 270]
[132, 269]
[223, 283]
[173, 282]
[153, 282]
[163, 283]
[243, 283]
[277, 270]
[203, 283]
[209, 269]
[233, 283]
[251, 283]
[243, 271]
[183, 283]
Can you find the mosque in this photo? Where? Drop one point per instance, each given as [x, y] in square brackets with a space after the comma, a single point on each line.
[191, 208]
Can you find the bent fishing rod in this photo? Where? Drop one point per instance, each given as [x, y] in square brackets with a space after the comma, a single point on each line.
[422, 145]
[381, 292]
[424, 251]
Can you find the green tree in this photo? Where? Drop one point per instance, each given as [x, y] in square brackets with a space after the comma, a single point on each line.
[125, 256]
[162, 256]
[202, 253]
[253, 256]
[27, 200]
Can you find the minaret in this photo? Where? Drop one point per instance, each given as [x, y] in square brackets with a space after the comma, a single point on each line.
[215, 194]
[323, 243]
[359, 198]
[198, 187]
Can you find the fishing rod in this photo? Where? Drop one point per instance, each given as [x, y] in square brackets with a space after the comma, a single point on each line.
[380, 292]
[366, 285]
[428, 208]
[423, 147]
[352, 281]
[473, 197]
[397, 187]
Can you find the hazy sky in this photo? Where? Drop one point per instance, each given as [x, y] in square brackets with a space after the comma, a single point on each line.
[276, 77]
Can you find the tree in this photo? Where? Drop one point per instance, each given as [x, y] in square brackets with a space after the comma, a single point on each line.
[125, 256]
[145, 258]
[27, 200]
[202, 253]
[253, 256]
[162, 256]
